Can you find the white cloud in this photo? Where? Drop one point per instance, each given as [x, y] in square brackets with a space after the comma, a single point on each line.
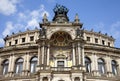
[34, 17]
[1, 42]
[8, 7]
[24, 20]
[51, 1]
[115, 29]
[28, 19]
[100, 27]
[32, 23]
[8, 29]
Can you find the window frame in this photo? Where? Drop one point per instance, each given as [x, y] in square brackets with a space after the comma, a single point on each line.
[88, 38]
[5, 66]
[101, 66]
[88, 64]
[19, 65]
[33, 64]
[23, 39]
[31, 38]
[114, 67]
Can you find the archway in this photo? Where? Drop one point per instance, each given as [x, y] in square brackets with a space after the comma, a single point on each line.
[60, 43]
[60, 38]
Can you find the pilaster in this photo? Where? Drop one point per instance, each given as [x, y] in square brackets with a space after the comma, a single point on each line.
[79, 54]
[109, 68]
[10, 66]
[73, 55]
[48, 55]
[1, 70]
[94, 65]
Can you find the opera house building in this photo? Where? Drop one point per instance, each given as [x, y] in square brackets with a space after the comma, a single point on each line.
[60, 50]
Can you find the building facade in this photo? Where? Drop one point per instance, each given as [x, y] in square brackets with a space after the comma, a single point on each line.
[59, 51]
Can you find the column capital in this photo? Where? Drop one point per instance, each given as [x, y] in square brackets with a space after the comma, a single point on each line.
[48, 45]
[73, 45]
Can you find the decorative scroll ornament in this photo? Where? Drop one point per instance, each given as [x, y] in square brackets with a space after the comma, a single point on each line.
[79, 33]
[43, 33]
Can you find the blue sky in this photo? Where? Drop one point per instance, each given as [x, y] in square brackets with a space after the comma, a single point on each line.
[99, 15]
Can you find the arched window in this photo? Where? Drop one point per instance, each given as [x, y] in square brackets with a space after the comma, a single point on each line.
[5, 67]
[114, 67]
[45, 79]
[77, 79]
[33, 64]
[88, 64]
[101, 66]
[19, 66]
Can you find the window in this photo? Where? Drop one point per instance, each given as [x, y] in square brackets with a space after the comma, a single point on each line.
[5, 67]
[19, 66]
[23, 39]
[16, 41]
[108, 43]
[114, 67]
[60, 63]
[45, 79]
[88, 38]
[88, 64]
[9, 43]
[101, 66]
[32, 38]
[33, 64]
[103, 42]
[77, 79]
[96, 40]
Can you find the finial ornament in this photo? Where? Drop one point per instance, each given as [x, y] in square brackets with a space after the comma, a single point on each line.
[79, 33]
[45, 20]
[76, 18]
[42, 33]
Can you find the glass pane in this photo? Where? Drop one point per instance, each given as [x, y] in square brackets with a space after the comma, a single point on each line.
[17, 68]
[5, 69]
[60, 63]
[33, 67]
[19, 60]
[34, 59]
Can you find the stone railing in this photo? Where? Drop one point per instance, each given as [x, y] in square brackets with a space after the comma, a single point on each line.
[61, 68]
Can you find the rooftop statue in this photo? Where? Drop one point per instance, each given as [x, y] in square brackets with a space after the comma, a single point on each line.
[60, 9]
[60, 14]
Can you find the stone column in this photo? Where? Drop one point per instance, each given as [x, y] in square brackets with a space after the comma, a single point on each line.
[73, 78]
[48, 55]
[27, 62]
[81, 79]
[42, 53]
[95, 65]
[1, 70]
[13, 64]
[73, 54]
[118, 68]
[49, 78]
[108, 66]
[24, 64]
[79, 54]
[82, 56]
[39, 55]
[92, 63]
[41, 78]
[10, 66]
[10, 63]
